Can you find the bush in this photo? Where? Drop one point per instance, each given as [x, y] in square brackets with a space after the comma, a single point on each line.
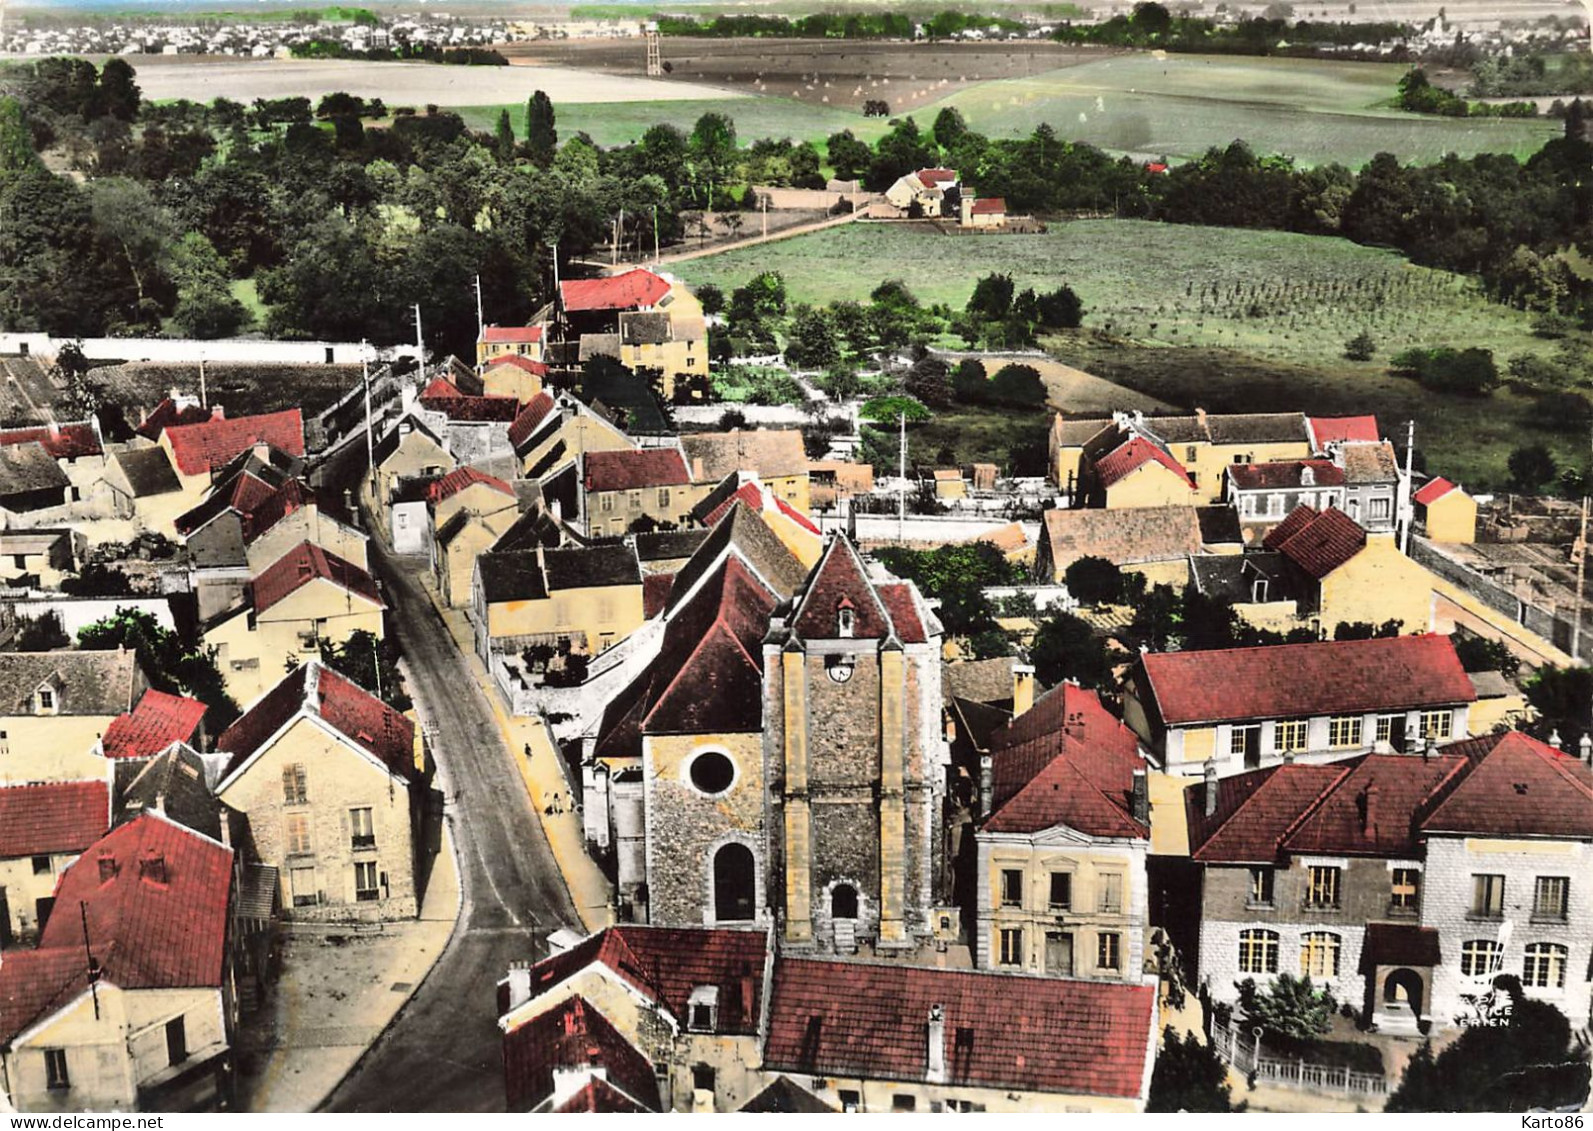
[1066, 647]
[1531, 467]
[1362, 347]
[1470, 372]
[1094, 581]
[1189, 1076]
[1061, 309]
[1563, 412]
[1479, 654]
[1018, 386]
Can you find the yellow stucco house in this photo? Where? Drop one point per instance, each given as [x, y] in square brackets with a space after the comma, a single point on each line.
[642, 319]
[410, 450]
[512, 375]
[1339, 573]
[1062, 840]
[584, 599]
[54, 706]
[622, 487]
[775, 455]
[307, 597]
[44, 826]
[197, 451]
[1138, 473]
[554, 430]
[1234, 709]
[1154, 541]
[496, 342]
[153, 1029]
[293, 515]
[1447, 513]
[328, 776]
[469, 509]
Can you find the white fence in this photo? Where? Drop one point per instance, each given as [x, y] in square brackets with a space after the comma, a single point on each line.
[1293, 1072]
[257, 351]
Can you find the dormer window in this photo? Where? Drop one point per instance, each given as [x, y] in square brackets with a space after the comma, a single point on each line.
[845, 619]
[702, 1009]
[44, 700]
[1307, 477]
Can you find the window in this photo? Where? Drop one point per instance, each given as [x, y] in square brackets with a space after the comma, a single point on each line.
[309, 641]
[1258, 591]
[663, 496]
[1261, 887]
[1487, 896]
[606, 504]
[850, 1100]
[1319, 954]
[1274, 506]
[306, 892]
[295, 789]
[702, 1078]
[365, 886]
[1108, 950]
[55, 1073]
[1390, 728]
[845, 621]
[41, 865]
[362, 829]
[1344, 731]
[296, 833]
[1323, 889]
[1550, 897]
[1437, 724]
[176, 1041]
[46, 699]
[1381, 509]
[1110, 895]
[1061, 891]
[1404, 886]
[1544, 966]
[1291, 734]
[635, 500]
[1479, 956]
[700, 1011]
[1258, 951]
[901, 1102]
[1011, 887]
[712, 772]
[1012, 946]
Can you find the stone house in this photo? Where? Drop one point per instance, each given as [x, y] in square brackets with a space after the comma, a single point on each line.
[410, 450]
[775, 455]
[468, 510]
[33, 488]
[622, 487]
[144, 487]
[44, 826]
[1338, 573]
[144, 1021]
[1238, 708]
[643, 320]
[474, 429]
[330, 779]
[584, 599]
[555, 430]
[1156, 542]
[799, 533]
[1138, 473]
[198, 451]
[928, 192]
[38, 557]
[1061, 840]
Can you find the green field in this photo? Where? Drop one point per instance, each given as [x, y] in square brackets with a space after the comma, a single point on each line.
[1272, 337]
[620, 123]
[1316, 111]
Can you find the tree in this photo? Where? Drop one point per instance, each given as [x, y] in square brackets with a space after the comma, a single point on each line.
[1060, 309]
[811, 343]
[969, 380]
[1531, 467]
[17, 154]
[1094, 581]
[96, 579]
[992, 297]
[891, 410]
[173, 664]
[930, 381]
[1479, 654]
[1289, 1007]
[1018, 385]
[503, 138]
[1563, 698]
[711, 297]
[41, 634]
[849, 157]
[1066, 647]
[1189, 1076]
[126, 212]
[541, 136]
[1526, 1063]
[713, 146]
[206, 306]
[369, 662]
[1362, 347]
[117, 95]
[1366, 630]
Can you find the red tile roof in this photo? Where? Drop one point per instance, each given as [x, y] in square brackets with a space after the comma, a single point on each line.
[530, 417]
[629, 470]
[839, 582]
[572, 1035]
[666, 964]
[634, 288]
[512, 334]
[440, 387]
[1286, 473]
[988, 206]
[198, 448]
[1134, 455]
[303, 564]
[168, 412]
[898, 597]
[1319, 543]
[473, 410]
[157, 921]
[1371, 810]
[50, 818]
[537, 368]
[1254, 811]
[63, 441]
[748, 493]
[1065, 761]
[241, 494]
[291, 496]
[1330, 677]
[1515, 786]
[708, 677]
[158, 721]
[1433, 491]
[796, 516]
[1343, 429]
[870, 1020]
[459, 479]
[936, 176]
[316, 691]
[598, 1097]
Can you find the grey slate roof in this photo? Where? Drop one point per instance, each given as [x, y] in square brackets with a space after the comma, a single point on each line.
[85, 683]
[28, 467]
[148, 471]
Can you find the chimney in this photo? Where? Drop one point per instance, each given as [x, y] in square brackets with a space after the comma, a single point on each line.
[937, 1045]
[1211, 788]
[1555, 740]
[160, 804]
[749, 998]
[1200, 415]
[1288, 757]
[1140, 797]
[226, 826]
[519, 984]
[1022, 688]
[987, 784]
[1369, 810]
[1431, 749]
[967, 209]
[1585, 746]
[697, 475]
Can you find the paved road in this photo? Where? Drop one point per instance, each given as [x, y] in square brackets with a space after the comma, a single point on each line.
[443, 1051]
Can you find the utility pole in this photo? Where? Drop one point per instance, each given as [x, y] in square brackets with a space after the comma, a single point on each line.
[555, 267]
[1408, 518]
[619, 235]
[370, 440]
[204, 397]
[420, 343]
[481, 321]
[901, 489]
[764, 200]
[655, 235]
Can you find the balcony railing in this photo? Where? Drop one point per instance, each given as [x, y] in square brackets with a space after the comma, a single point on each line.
[1292, 1073]
[364, 840]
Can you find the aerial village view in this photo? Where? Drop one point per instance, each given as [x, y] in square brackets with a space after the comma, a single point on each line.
[795, 556]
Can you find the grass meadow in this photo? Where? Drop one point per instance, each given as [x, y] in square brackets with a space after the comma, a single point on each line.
[1224, 319]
